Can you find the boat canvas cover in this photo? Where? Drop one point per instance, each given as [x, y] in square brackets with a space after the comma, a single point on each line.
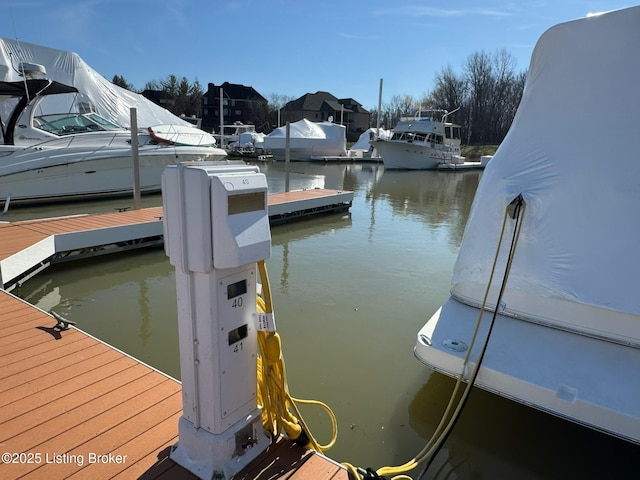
[251, 139]
[363, 144]
[572, 153]
[95, 92]
[323, 138]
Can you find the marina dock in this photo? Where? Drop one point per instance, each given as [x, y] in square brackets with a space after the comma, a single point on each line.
[75, 407]
[29, 246]
[454, 167]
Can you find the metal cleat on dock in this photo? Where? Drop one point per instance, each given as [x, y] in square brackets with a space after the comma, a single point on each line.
[63, 323]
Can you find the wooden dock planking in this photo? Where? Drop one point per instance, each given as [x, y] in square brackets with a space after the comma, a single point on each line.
[70, 393]
[67, 393]
[282, 460]
[298, 195]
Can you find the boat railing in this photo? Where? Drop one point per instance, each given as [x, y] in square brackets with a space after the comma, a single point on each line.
[88, 138]
[433, 115]
[416, 118]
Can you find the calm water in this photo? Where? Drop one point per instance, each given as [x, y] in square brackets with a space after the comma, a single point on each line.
[350, 292]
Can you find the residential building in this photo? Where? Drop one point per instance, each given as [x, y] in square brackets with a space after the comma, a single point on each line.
[239, 104]
[322, 106]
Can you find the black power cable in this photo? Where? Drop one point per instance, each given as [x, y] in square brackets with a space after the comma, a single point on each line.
[514, 208]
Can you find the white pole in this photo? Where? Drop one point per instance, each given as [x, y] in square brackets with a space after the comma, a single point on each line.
[137, 204]
[221, 119]
[379, 110]
[287, 148]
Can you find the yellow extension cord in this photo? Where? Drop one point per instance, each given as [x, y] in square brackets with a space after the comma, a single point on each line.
[277, 403]
[279, 410]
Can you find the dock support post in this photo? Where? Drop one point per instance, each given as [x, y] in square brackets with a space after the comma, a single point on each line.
[379, 110]
[221, 118]
[137, 204]
[287, 154]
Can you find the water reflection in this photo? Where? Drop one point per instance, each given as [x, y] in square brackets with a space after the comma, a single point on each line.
[436, 198]
[284, 235]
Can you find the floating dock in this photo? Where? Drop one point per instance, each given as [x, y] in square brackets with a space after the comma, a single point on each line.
[297, 204]
[484, 160]
[461, 166]
[27, 247]
[75, 407]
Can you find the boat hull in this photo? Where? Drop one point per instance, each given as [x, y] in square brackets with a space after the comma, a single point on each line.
[64, 174]
[573, 376]
[398, 155]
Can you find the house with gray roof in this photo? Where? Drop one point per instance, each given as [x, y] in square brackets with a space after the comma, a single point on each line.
[322, 106]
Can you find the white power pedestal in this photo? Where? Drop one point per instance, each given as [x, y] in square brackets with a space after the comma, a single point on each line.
[216, 227]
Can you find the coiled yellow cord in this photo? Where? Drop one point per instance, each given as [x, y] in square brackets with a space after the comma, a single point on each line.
[279, 409]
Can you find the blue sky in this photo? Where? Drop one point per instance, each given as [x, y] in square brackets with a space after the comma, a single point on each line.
[290, 47]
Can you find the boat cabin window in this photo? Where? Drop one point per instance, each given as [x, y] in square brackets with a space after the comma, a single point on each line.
[435, 138]
[68, 123]
[452, 131]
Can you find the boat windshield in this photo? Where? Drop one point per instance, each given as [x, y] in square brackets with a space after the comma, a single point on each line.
[69, 123]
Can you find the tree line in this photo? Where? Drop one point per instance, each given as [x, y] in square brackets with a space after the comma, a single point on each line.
[186, 97]
[486, 95]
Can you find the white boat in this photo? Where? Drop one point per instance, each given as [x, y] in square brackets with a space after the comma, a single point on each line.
[421, 142]
[559, 323]
[363, 149]
[308, 141]
[231, 134]
[61, 156]
[241, 139]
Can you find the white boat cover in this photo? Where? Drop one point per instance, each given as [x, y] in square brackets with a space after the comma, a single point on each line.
[363, 144]
[572, 152]
[323, 138]
[251, 139]
[102, 96]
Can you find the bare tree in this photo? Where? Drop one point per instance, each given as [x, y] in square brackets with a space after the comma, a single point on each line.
[450, 93]
[495, 90]
[270, 118]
